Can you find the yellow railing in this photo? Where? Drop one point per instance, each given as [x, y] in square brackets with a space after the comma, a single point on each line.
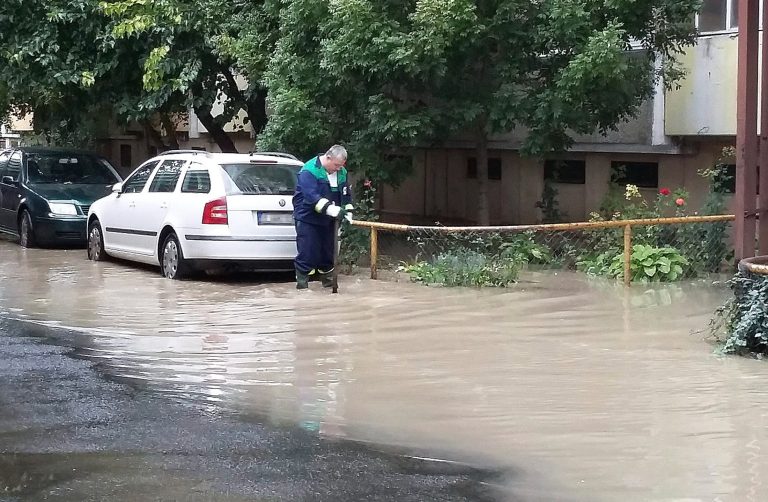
[627, 225]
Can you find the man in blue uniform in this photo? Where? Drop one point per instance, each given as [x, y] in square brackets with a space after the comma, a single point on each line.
[322, 196]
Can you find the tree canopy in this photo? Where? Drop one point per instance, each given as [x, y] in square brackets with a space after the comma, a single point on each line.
[391, 73]
[378, 75]
[134, 60]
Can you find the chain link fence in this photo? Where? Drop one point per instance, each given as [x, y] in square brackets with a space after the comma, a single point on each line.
[663, 249]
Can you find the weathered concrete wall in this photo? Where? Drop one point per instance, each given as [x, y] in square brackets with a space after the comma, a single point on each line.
[705, 104]
[439, 190]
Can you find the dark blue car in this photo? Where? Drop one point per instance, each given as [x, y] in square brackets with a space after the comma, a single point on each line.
[45, 193]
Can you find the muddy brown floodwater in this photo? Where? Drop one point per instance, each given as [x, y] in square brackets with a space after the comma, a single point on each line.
[578, 388]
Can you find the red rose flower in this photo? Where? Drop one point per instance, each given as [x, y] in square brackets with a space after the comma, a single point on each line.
[664, 191]
[680, 201]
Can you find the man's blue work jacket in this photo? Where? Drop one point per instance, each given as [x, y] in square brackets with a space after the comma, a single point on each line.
[313, 186]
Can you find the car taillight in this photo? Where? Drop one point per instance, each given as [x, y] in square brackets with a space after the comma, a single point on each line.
[215, 212]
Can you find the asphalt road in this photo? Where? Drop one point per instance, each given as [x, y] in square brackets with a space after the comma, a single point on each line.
[69, 433]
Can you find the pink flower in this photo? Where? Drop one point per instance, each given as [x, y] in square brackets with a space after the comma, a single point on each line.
[367, 184]
[680, 201]
[664, 191]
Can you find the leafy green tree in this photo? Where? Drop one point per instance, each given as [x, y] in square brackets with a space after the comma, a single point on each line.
[386, 74]
[69, 61]
[48, 52]
[187, 59]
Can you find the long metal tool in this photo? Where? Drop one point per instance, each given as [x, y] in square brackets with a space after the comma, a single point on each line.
[335, 277]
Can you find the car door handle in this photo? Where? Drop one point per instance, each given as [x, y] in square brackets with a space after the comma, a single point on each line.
[131, 204]
[163, 205]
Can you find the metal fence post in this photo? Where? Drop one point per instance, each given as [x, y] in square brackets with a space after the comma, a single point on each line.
[627, 254]
[374, 252]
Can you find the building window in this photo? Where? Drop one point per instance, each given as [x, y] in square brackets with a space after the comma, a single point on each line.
[640, 174]
[125, 156]
[494, 168]
[472, 168]
[718, 15]
[565, 171]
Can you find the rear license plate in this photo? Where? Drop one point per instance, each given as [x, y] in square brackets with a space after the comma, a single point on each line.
[275, 218]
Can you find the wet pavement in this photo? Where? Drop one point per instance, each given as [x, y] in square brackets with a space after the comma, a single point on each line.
[567, 388]
[70, 432]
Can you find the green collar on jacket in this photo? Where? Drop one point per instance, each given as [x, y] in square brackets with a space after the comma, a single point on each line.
[318, 171]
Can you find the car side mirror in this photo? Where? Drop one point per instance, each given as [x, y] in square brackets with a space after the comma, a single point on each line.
[8, 180]
[117, 187]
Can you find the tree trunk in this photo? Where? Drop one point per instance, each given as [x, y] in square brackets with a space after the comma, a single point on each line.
[170, 131]
[152, 135]
[217, 132]
[483, 215]
[257, 111]
[255, 105]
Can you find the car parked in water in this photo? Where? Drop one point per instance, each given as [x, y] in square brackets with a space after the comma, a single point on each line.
[45, 193]
[188, 210]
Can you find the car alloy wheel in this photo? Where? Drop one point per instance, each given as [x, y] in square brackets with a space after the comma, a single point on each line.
[95, 242]
[172, 262]
[26, 232]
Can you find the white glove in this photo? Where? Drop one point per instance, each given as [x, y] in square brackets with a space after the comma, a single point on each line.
[333, 211]
[348, 216]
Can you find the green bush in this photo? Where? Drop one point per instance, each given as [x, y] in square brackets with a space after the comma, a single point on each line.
[598, 264]
[741, 325]
[466, 267]
[523, 248]
[647, 264]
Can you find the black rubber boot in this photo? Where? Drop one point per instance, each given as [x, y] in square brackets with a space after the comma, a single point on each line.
[302, 280]
[326, 278]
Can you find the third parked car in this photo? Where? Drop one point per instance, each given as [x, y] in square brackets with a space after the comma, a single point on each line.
[188, 210]
[45, 193]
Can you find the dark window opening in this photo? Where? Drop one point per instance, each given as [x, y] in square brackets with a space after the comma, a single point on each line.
[125, 156]
[640, 174]
[565, 171]
[494, 168]
[472, 168]
[713, 15]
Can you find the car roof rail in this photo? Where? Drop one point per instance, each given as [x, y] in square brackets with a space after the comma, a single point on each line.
[195, 152]
[276, 154]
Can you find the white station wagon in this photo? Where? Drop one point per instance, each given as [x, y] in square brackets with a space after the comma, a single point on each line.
[191, 210]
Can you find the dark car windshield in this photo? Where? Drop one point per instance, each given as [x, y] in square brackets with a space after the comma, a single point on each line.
[264, 179]
[69, 168]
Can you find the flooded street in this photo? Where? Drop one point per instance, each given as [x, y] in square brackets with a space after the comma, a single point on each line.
[578, 388]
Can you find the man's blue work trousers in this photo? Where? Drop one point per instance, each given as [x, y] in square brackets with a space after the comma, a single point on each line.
[315, 247]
